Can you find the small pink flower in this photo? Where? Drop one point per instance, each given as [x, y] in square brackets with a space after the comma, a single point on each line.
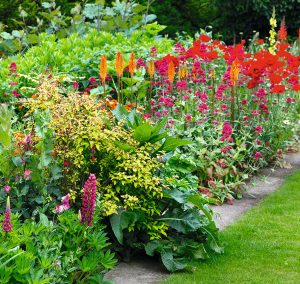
[7, 188]
[257, 155]
[258, 129]
[65, 204]
[75, 85]
[27, 174]
[188, 117]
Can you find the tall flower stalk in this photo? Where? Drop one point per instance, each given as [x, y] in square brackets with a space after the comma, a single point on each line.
[234, 76]
[89, 200]
[131, 68]
[151, 72]
[171, 75]
[7, 225]
[272, 38]
[119, 70]
[103, 71]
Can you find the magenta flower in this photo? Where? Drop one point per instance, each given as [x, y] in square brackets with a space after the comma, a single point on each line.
[6, 225]
[75, 85]
[257, 156]
[258, 129]
[7, 188]
[88, 200]
[65, 205]
[226, 132]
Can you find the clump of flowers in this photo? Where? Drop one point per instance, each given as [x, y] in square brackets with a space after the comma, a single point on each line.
[6, 225]
[89, 200]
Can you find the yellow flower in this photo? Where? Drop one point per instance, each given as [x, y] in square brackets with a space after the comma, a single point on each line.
[273, 22]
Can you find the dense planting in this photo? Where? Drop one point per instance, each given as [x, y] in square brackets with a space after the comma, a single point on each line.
[138, 135]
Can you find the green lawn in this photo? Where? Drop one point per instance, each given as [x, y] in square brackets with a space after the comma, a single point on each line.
[263, 247]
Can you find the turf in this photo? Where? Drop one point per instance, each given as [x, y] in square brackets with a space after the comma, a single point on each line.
[262, 247]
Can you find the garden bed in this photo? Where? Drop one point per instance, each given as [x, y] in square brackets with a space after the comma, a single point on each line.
[146, 270]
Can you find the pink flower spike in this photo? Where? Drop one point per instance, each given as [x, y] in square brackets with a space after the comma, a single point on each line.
[88, 200]
[6, 225]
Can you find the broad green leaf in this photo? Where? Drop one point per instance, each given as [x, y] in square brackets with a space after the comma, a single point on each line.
[183, 221]
[123, 220]
[142, 133]
[171, 143]
[172, 264]
[157, 128]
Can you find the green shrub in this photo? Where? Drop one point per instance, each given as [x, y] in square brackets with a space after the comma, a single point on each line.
[45, 252]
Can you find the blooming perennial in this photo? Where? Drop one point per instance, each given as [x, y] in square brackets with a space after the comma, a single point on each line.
[89, 200]
[6, 225]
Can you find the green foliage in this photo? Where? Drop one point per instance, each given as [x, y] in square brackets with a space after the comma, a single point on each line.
[44, 252]
[76, 55]
[141, 200]
[61, 19]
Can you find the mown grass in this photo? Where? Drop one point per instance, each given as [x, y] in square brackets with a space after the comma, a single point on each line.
[262, 247]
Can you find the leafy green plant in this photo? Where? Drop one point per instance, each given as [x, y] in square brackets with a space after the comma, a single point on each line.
[45, 252]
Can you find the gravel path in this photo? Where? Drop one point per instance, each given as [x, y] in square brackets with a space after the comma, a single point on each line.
[147, 270]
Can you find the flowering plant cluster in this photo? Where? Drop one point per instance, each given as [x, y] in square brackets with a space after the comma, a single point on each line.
[165, 134]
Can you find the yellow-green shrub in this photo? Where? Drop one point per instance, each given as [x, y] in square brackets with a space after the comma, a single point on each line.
[88, 141]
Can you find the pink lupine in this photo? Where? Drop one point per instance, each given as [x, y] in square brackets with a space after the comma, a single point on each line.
[6, 225]
[88, 200]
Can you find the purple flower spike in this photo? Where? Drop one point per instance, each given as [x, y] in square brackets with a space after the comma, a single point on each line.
[6, 225]
[88, 200]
